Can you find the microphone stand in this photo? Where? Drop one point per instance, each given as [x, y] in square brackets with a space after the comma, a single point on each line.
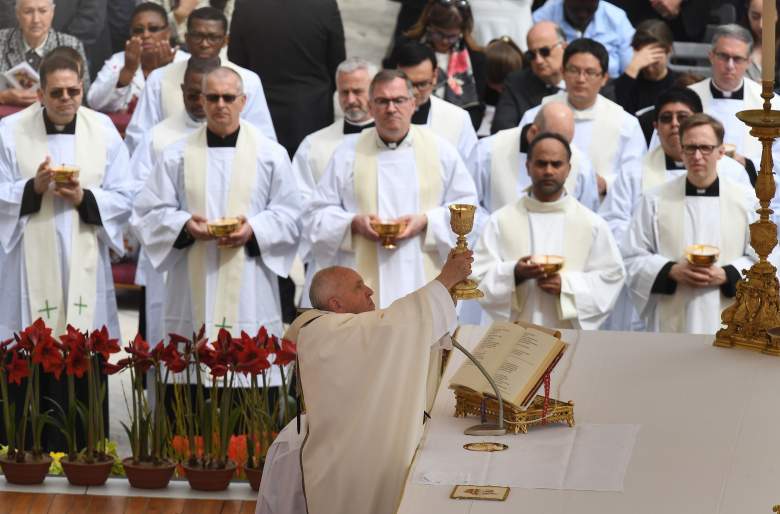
[484, 428]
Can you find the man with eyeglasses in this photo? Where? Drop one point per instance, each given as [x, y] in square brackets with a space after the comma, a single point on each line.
[730, 91]
[524, 89]
[122, 78]
[700, 208]
[593, 19]
[145, 158]
[453, 123]
[226, 169]
[608, 135]
[395, 172]
[161, 97]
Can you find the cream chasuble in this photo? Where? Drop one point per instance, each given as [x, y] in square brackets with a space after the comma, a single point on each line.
[44, 283]
[665, 223]
[590, 279]
[364, 385]
[231, 260]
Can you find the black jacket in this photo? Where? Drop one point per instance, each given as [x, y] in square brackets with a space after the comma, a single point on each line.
[295, 47]
[522, 91]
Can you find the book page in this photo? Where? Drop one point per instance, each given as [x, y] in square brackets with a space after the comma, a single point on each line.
[528, 360]
[491, 351]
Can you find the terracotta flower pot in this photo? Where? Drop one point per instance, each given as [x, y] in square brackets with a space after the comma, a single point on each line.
[209, 479]
[83, 474]
[147, 475]
[254, 475]
[30, 472]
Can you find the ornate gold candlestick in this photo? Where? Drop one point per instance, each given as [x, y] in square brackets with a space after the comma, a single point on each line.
[462, 221]
[757, 305]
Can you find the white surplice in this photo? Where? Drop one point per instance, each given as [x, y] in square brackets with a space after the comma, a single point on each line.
[590, 280]
[364, 379]
[453, 124]
[150, 110]
[721, 221]
[496, 18]
[610, 137]
[328, 215]
[160, 212]
[113, 198]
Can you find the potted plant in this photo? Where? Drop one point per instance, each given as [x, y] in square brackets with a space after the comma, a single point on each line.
[85, 354]
[22, 360]
[149, 429]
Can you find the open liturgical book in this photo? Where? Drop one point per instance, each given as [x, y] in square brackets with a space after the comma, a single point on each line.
[517, 356]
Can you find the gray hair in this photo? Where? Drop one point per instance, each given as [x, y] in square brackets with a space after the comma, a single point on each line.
[734, 31]
[354, 64]
[323, 285]
[19, 3]
[221, 72]
[385, 76]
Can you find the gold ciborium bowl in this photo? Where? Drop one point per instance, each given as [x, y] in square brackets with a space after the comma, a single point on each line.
[222, 227]
[550, 263]
[702, 255]
[65, 173]
[388, 231]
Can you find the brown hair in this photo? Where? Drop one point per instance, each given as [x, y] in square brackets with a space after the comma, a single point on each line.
[446, 17]
[57, 60]
[651, 32]
[503, 57]
[697, 120]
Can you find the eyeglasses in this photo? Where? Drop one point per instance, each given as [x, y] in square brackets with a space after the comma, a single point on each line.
[667, 117]
[213, 98]
[544, 51]
[590, 73]
[462, 5]
[423, 84]
[199, 37]
[58, 92]
[725, 58]
[385, 102]
[441, 36]
[704, 149]
[151, 29]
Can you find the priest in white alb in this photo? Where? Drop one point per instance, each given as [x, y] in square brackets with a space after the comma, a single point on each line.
[447, 120]
[364, 374]
[499, 162]
[699, 208]
[56, 235]
[161, 96]
[226, 169]
[547, 221]
[393, 172]
[608, 135]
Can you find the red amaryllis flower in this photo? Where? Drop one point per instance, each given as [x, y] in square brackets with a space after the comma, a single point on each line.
[73, 339]
[138, 349]
[173, 359]
[206, 355]
[17, 369]
[218, 370]
[110, 369]
[101, 343]
[285, 352]
[251, 357]
[76, 362]
[33, 335]
[49, 356]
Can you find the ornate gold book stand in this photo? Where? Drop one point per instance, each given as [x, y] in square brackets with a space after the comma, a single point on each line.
[757, 306]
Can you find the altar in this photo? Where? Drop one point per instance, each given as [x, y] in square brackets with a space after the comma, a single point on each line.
[708, 420]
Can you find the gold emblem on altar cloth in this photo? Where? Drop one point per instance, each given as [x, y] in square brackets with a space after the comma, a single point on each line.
[485, 447]
[479, 492]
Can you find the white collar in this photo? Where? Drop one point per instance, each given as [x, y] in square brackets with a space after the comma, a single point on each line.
[406, 142]
[38, 49]
[584, 114]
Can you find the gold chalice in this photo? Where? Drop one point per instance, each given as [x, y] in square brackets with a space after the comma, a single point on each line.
[64, 173]
[462, 221]
[550, 263]
[702, 255]
[388, 231]
[222, 227]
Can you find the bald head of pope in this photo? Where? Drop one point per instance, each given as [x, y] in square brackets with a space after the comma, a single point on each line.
[223, 92]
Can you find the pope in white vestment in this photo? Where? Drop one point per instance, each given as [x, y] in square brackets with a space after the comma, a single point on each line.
[547, 221]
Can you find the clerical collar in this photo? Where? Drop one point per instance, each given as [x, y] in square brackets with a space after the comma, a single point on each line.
[356, 128]
[392, 145]
[420, 116]
[720, 94]
[524, 138]
[54, 130]
[215, 141]
[671, 164]
[713, 190]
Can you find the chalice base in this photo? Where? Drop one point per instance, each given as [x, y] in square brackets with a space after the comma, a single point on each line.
[466, 290]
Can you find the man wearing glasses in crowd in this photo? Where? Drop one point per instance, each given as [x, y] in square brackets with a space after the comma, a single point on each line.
[703, 208]
[524, 89]
[123, 76]
[161, 97]
[597, 119]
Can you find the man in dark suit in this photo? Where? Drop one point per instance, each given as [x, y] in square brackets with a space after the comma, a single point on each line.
[86, 19]
[524, 89]
[295, 47]
[688, 19]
